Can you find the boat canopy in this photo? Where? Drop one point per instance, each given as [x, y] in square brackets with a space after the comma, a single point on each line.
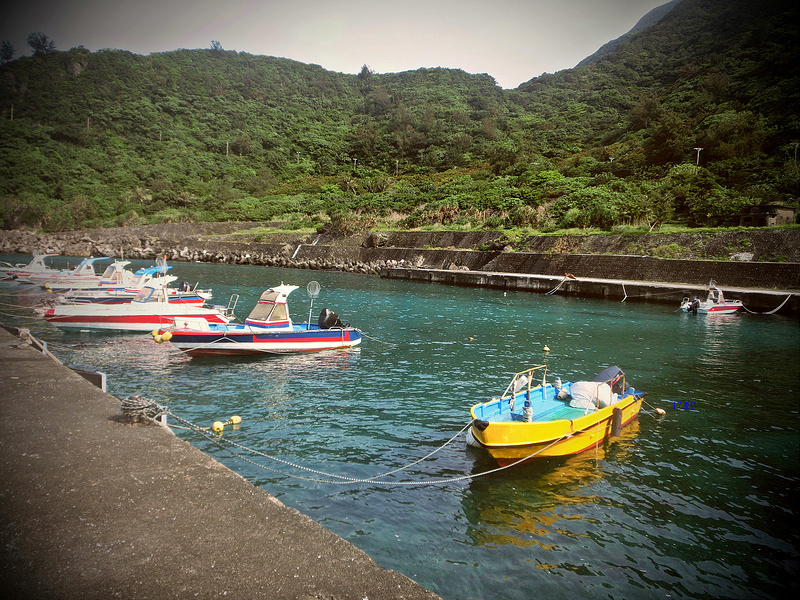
[608, 375]
[151, 294]
[115, 270]
[271, 306]
[151, 270]
[86, 266]
[614, 377]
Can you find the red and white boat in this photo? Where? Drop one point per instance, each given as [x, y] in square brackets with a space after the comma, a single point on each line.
[150, 309]
[714, 304]
[184, 293]
[268, 330]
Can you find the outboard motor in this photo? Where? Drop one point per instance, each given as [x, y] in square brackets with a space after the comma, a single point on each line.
[695, 305]
[328, 319]
[185, 286]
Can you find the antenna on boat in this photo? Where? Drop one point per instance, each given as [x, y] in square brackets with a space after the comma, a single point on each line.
[312, 289]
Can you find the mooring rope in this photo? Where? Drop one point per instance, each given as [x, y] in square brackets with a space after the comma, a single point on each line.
[369, 337]
[771, 312]
[135, 405]
[555, 289]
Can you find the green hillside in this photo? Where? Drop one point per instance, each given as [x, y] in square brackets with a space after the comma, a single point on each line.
[108, 138]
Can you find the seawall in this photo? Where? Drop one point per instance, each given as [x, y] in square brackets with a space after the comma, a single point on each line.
[760, 301]
[763, 261]
[95, 506]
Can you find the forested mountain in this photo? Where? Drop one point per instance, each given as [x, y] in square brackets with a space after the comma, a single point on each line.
[110, 137]
[651, 18]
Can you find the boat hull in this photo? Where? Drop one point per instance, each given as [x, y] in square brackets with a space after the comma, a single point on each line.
[126, 298]
[727, 308]
[93, 316]
[243, 343]
[512, 442]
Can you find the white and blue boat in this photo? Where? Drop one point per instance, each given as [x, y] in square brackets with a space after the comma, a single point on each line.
[121, 294]
[267, 330]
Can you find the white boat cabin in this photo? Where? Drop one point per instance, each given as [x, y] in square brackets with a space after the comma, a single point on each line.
[151, 294]
[272, 311]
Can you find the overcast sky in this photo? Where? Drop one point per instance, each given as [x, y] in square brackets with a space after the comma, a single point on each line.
[511, 40]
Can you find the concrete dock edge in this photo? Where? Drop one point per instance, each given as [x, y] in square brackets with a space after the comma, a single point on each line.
[94, 507]
[759, 301]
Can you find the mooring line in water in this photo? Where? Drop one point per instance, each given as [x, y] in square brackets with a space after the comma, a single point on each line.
[659, 411]
[135, 405]
[555, 289]
[20, 316]
[343, 480]
[771, 312]
[14, 305]
[376, 339]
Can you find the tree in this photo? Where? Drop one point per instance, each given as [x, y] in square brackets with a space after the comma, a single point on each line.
[6, 52]
[365, 73]
[217, 48]
[40, 43]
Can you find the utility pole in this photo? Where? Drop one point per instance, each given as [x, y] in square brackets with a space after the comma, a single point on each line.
[698, 156]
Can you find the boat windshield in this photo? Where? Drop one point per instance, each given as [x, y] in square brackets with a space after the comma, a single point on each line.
[148, 294]
[114, 271]
[267, 310]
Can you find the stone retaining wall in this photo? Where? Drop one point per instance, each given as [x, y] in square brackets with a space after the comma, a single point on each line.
[370, 253]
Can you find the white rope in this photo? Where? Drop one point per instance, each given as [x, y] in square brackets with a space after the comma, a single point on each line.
[771, 312]
[136, 405]
[555, 289]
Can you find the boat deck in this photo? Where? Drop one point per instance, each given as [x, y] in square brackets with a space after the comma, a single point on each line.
[555, 413]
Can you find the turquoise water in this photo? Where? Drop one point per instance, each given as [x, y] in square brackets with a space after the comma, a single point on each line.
[697, 504]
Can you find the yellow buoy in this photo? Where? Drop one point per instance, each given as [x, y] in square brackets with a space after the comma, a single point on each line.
[166, 336]
[218, 426]
[154, 333]
[158, 339]
[546, 349]
[660, 411]
[235, 420]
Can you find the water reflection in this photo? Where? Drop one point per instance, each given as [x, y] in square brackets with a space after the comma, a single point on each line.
[524, 505]
[698, 504]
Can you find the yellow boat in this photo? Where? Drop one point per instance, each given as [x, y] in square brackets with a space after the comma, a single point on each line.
[534, 419]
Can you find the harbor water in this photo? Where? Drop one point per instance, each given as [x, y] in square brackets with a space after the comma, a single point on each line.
[699, 503]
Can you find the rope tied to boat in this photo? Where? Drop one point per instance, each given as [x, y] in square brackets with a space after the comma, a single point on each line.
[136, 406]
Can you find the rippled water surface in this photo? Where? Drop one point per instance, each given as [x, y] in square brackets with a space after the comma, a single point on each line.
[698, 504]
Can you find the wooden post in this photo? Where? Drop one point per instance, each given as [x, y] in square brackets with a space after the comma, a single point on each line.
[616, 422]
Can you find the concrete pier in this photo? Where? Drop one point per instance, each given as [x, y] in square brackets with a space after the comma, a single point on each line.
[94, 507]
[755, 300]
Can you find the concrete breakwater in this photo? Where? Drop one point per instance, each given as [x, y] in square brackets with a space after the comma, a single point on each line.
[610, 258]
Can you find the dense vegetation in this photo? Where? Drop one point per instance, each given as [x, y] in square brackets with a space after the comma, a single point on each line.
[113, 138]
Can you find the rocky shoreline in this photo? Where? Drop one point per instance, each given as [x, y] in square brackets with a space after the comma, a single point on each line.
[150, 246]
[757, 258]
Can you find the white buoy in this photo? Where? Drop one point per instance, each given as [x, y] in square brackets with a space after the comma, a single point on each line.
[546, 349]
